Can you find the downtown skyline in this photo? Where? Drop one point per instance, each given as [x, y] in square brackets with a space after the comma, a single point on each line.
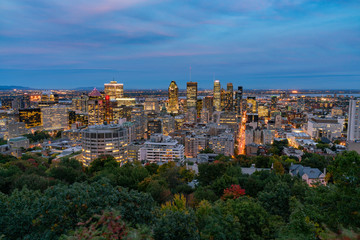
[147, 44]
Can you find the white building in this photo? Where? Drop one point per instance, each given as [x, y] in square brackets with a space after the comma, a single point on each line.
[354, 121]
[104, 139]
[325, 127]
[160, 148]
[114, 90]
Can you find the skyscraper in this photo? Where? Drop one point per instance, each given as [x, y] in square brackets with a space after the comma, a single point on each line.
[229, 98]
[114, 90]
[96, 107]
[173, 98]
[238, 98]
[217, 95]
[191, 94]
[353, 132]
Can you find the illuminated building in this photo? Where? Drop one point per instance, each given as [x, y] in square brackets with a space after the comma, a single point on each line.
[199, 106]
[78, 119]
[160, 148]
[138, 117]
[354, 122]
[109, 139]
[274, 100]
[194, 144]
[222, 144]
[151, 105]
[173, 106]
[191, 101]
[336, 112]
[17, 144]
[252, 104]
[323, 127]
[125, 101]
[109, 116]
[208, 103]
[80, 103]
[55, 117]
[217, 95]
[263, 111]
[191, 94]
[179, 121]
[133, 151]
[153, 126]
[229, 98]
[96, 107]
[238, 100]
[32, 117]
[48, 98]
[114, 90]
[122, 112]
[168, 124]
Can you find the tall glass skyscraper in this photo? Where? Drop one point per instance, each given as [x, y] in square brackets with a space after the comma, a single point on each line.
[173, 106]
[191, 94]
[217, 95]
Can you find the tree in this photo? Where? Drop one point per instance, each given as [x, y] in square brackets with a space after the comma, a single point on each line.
[345, 169]
[278, 168]
[233, 192]
[176, 225]
[102, 163]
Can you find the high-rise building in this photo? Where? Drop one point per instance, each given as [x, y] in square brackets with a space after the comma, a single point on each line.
[151, 104]
[96, 107]
[191, 94]
[173, 106]
[32, 117]
[109, 139]
[194, 144]
[353, 132]
[114, 90]
[55, 117]
[238, 99]
[153, 126]
[217, 95]
[251, 104]
[229, 98]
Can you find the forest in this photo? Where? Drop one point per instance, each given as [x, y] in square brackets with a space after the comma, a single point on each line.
[45, 199]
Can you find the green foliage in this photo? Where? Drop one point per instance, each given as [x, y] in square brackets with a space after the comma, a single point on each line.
[345, 169]
[207, 150]
[102, 163]
[37, 136]
[30, 214]
[176, 225]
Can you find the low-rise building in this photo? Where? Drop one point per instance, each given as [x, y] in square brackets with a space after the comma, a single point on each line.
[161, 148]
[311, 176]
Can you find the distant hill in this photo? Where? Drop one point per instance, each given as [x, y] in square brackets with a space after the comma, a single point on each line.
[14, 87]
[87, 88]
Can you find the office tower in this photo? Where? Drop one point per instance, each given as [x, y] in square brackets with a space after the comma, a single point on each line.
[153, 126]
[151, 105]
[274, 100]
[252, 104]
[109, 116]
[107, 139]
[167, 124]
[138, 117]
[114, 90]
[229, 98]
[55, 117]
[191, 95]
[217, 95]
[199, 106]
[160, 148]
[191, 101]
[32, 117]
[238, 99]
[354, 122]
[96, 107]
[173, 98]
[80, 103]
[78, 119]
[208, 103]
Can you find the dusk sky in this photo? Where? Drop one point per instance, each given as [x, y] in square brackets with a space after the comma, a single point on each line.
[287, 44]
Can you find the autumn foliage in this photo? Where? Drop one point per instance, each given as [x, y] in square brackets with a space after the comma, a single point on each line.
[233, 192]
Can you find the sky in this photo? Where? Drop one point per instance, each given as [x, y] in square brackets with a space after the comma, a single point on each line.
[145, 44]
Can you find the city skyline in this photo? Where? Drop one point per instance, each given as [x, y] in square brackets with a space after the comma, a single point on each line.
[147, 44]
